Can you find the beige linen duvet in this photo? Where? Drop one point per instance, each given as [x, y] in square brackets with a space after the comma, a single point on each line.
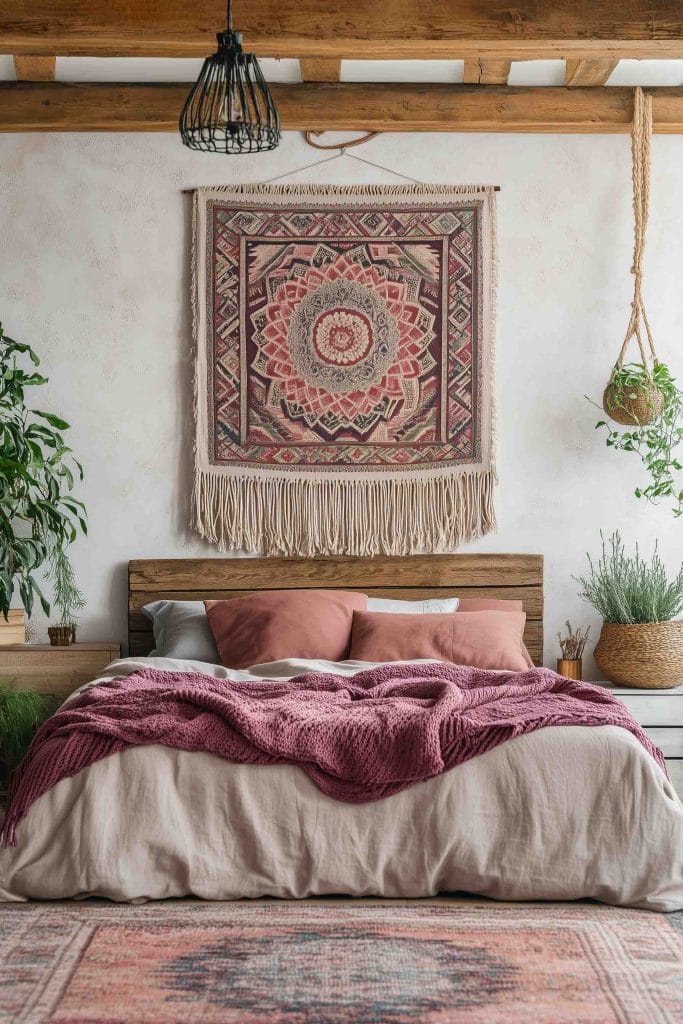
[561, 813]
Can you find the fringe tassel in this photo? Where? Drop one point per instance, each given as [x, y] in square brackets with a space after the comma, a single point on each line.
[274, 515]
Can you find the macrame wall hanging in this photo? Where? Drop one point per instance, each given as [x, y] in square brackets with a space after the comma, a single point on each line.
[344, 366]
[643, 396]
[628, 400]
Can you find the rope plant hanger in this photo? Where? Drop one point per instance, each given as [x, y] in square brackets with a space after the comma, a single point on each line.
[643, 396]
[631, 396]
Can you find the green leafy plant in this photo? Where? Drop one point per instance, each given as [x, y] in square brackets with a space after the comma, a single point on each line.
[68, 597]
[39, 516]
[21, 713]
[656, 441]
[627, 589]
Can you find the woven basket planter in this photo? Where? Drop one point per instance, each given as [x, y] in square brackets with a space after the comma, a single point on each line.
[647, 655]
[645, 408]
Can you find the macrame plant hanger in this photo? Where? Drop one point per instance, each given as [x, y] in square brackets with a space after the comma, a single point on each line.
[637, 406]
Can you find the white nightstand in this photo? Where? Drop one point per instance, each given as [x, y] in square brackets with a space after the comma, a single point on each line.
[660, 712]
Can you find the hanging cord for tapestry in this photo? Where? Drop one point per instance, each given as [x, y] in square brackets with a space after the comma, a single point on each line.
[342, 147]
[641, 133]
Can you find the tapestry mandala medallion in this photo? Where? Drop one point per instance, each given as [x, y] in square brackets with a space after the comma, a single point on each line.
[343, 368]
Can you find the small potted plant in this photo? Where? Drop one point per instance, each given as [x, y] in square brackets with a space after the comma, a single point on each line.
[641, 641]
[572, 646]
[68, 600]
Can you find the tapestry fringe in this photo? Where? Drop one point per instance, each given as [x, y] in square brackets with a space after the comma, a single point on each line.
[322, 192]
[358, 517]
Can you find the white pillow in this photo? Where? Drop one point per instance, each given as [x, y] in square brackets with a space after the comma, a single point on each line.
[181, 630]
[431, 606]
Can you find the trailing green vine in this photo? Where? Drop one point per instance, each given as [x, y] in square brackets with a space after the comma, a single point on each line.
[655, 442]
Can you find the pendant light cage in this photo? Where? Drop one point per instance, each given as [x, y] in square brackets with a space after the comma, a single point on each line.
[230, 108]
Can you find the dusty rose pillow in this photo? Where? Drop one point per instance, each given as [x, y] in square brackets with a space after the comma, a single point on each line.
[483, 639]
[486, 604]
[275, 624]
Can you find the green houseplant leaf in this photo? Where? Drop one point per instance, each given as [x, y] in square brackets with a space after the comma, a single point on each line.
[39, 517]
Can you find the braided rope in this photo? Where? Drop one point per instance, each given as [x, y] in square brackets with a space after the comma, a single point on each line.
[641, 133]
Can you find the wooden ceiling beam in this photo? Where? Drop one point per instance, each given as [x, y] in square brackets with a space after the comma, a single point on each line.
[588, 72]
[394, 29]
[313, 70]
[486, 72]
[348, 106]
[29, 68]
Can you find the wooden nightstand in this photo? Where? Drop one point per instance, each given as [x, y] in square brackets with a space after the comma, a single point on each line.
[55, 670]
[660, 712]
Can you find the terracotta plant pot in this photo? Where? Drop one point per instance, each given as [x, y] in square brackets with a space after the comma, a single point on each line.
[570, 668]
[646, 655]
[636, 411]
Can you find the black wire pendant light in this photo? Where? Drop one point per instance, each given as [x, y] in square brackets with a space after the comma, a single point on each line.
[230, 108]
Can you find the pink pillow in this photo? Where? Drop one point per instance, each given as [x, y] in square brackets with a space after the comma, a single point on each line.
[492, 604]
[274, 624]
[483, 639]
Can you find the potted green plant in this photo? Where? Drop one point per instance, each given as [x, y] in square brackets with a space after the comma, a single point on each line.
[651, 404]
[39, 516]
[68, 599]
[641, 641]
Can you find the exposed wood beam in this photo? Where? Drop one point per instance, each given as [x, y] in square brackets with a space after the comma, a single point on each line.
[417, 29]
[313, 70]
[486, 72]
[30, 68]
[346, 106]
[588, 72]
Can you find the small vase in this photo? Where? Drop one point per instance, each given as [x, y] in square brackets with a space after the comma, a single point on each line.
[570, 668]
[60, 636]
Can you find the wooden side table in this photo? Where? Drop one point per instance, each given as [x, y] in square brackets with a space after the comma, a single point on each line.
[57, 671]
[660, 712]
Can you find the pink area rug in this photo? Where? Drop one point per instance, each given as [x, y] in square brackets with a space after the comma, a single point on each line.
[333, 961]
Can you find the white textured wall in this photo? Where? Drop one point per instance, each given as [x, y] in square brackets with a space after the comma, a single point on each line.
[94, 274]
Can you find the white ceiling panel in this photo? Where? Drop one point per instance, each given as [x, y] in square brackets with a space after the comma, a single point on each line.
[402, 71]
[647, 72]
[537, 72]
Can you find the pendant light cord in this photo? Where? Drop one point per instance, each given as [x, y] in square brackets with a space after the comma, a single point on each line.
[229, 15]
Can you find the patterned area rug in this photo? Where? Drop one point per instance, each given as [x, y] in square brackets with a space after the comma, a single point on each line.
[332, 962]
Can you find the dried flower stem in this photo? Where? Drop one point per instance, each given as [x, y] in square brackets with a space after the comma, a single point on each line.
[573, 645]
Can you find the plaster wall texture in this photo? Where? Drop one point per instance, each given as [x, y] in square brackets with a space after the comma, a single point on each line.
[95, 275]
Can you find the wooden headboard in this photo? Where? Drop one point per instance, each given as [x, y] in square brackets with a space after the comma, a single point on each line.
[408, 578]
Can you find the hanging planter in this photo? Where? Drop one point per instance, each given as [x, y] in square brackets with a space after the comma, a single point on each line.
[643, 395]
[631, 396]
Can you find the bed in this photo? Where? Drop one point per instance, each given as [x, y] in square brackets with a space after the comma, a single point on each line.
[562, 813]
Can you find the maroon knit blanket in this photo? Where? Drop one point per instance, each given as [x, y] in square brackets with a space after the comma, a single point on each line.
[359, 738]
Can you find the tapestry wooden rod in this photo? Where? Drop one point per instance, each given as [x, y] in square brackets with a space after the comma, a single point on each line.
[189, 191]
[393, 29]
[347, 106]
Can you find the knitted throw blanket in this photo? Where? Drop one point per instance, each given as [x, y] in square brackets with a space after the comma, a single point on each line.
[358, 738]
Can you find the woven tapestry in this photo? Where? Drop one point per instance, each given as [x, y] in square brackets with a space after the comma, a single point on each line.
[344, 348]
